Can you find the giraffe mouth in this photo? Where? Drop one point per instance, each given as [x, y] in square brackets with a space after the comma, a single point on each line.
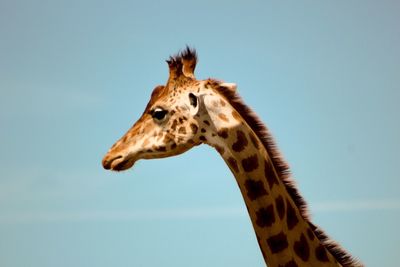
[118, 163]
[123, 165]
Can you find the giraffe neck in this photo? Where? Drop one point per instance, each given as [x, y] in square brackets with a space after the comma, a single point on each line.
[285, 236]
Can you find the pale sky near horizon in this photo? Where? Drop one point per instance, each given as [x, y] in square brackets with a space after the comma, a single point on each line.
[75, 75]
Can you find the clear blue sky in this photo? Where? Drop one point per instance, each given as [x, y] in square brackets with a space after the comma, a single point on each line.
[75, 75]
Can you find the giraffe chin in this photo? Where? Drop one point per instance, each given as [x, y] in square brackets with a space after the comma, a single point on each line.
[123, 165]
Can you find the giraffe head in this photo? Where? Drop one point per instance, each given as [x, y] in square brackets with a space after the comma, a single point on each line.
[172, 121]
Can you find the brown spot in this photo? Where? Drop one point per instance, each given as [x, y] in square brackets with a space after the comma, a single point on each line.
[250, 164]
[255, 189]
[265, 216]
[182, 130]
[173, 126]
[207, 122]
[310, 234]
[277, 243]
[291, 218]
[161, 149]
[220, 149]
[241, 141]
[173, 146]
[223, 132]
[233, 164]
[270, 174]
[320, 254]
[203, 130]
[202, 138]
[302, 248]
[291, 263]
[223, 117]
[222, 102]
[280, 206]
[194, 128]
[254, 140]
[236, 115]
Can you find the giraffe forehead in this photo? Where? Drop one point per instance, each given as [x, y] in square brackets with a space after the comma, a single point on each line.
[166, 99]
[175, 100]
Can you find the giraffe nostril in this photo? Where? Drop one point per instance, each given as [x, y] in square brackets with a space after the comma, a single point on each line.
[107, 162]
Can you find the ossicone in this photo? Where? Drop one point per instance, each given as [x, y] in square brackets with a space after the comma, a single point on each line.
[183, 64]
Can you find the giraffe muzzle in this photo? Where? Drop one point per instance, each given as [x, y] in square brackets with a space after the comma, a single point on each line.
[117, 163]
[108, 162]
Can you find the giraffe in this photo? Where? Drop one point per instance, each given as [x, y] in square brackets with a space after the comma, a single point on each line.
[187, 112]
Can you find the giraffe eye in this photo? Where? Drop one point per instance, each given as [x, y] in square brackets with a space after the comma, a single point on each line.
[159, 114]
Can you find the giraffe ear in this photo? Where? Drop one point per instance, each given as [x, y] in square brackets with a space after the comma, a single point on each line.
[194, 103]
[197, 104]
[230, 86]
[193, 100]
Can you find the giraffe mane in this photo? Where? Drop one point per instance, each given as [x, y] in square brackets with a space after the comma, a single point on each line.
[282, 169]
